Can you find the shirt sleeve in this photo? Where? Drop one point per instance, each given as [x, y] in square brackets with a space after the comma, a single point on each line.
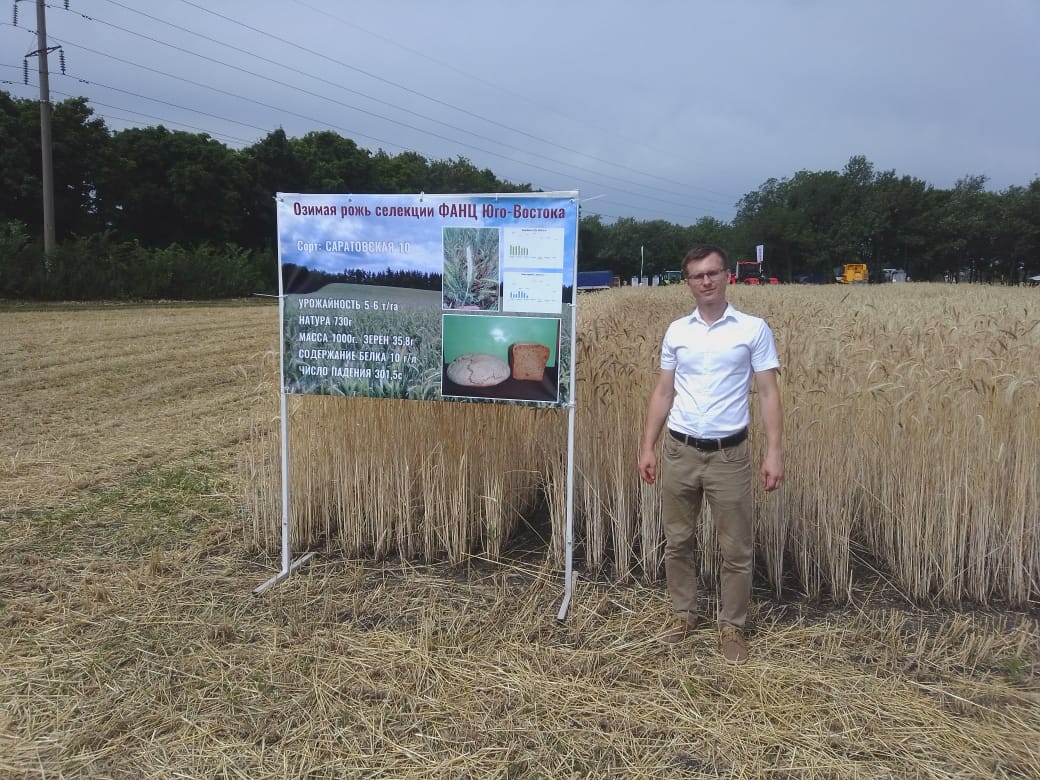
[763, 350]
[669, 360]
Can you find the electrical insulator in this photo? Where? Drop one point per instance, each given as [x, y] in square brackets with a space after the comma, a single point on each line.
[61, 59]
[66, 5]
[15, 13]
[25, 72]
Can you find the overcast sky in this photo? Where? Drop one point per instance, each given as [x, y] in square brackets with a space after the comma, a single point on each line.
[656, 110]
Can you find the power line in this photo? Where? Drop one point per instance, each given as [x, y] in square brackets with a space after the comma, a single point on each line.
[161, 120]
[302, 90]
[226, 93]
[214, 134]
[168, 103]
[679, 212]
[500, 88]
[167, 121]
[350, 132]
[407, 89]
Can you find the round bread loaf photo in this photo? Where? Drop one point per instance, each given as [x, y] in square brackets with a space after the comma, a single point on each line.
[477, 369]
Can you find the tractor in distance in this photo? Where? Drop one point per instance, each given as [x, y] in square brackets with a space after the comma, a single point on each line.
[750, 272]
[854, 273]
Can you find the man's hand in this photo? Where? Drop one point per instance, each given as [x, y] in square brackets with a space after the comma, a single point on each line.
[648, 466]
[772, 471]
[656, 414]
[773, 422]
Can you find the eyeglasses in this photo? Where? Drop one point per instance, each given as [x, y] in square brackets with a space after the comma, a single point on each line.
[701, 278]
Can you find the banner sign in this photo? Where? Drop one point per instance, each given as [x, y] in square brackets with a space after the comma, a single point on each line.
[436, 297]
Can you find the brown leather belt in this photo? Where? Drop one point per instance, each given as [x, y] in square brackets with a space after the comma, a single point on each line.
[710, 445]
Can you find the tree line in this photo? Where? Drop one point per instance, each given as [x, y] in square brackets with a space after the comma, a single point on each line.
[301, 279]
[814, 222]
[157, 213]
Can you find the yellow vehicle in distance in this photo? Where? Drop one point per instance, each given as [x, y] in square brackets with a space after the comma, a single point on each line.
[853, 273]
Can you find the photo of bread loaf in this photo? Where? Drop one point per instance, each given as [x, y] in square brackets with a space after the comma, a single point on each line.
[500, 357]
[476, 369]
[527, 360]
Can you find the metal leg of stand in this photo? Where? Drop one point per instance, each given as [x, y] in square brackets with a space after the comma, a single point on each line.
[282, 575]
[566, 603]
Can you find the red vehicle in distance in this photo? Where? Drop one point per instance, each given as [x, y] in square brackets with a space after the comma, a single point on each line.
[750, 272]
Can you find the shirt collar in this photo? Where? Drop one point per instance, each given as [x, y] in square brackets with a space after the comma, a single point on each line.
[729, 313]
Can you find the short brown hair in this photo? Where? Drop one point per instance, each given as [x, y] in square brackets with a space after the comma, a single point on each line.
[701, 251]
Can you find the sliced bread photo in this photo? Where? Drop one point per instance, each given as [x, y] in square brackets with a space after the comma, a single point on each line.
[527, 360]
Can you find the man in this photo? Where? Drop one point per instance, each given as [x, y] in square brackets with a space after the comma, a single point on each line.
[708, 360]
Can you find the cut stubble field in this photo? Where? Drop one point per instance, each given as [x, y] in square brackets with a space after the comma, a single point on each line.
[133, 646]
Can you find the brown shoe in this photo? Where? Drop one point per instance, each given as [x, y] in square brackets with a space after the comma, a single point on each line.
[734, 646]
[677, 628]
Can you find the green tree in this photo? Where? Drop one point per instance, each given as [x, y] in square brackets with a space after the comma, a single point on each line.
[459, 175]
[402, 173]
[332, 163]
[632, 245]
[80, 149]
[780, 217]
[1017, 234]
[905, 223]
[270, 166]
[853, 223]
[20, 191]
[710, 230]
[166, 187]
[964, 236]
[591, 240]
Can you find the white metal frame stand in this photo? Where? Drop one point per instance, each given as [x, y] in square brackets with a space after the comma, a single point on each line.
[288, 565]
[569, 576]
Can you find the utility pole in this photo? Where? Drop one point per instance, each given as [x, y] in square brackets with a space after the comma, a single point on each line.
[45, 131]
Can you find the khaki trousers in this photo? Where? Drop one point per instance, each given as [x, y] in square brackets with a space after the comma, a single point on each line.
[723, 477]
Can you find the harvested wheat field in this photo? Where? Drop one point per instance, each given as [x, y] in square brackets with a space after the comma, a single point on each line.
[135, 501]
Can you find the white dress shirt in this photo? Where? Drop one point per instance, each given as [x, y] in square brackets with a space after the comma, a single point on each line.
[714, 365]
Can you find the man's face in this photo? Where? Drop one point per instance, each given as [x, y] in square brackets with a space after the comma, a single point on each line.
[707, 279]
